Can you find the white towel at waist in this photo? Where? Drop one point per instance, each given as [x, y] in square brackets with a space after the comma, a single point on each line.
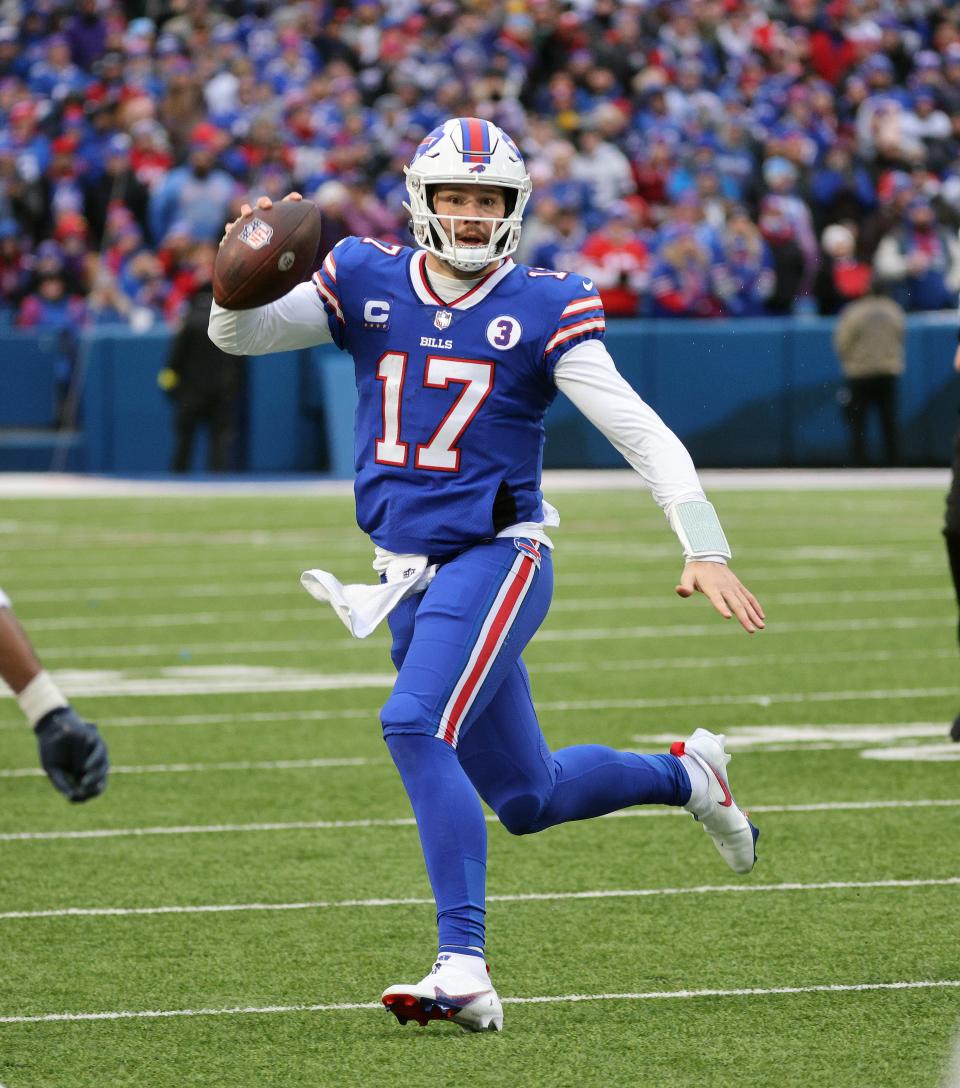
[362, 607]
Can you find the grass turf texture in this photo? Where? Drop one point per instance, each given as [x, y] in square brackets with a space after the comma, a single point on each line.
[861, 632]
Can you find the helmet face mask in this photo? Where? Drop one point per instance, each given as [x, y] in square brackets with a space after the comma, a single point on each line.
[466, 151]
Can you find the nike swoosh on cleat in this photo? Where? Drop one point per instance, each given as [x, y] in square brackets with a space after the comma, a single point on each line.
[458, 1002]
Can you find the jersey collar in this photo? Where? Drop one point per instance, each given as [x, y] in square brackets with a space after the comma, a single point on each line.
[476, 294]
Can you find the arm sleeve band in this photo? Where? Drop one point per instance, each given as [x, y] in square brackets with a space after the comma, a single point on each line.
[587, 375]
[298, 320]
[698, 527]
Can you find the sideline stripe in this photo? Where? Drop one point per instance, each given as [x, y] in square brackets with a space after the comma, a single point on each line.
[651, 995]
[409, 821]
[247, 765]
[526, 897]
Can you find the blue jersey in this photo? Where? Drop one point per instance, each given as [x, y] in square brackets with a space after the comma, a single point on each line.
[452, 396]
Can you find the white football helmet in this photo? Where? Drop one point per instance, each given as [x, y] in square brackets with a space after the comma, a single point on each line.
[467, 151]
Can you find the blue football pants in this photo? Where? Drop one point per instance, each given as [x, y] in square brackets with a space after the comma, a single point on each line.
[461, 722]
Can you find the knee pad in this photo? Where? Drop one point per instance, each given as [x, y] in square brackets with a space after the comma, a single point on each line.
[519, 814]
[404, 713]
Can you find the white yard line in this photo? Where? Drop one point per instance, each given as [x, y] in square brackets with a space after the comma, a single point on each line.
[650, 995]
[923, 567]
[122, 651]
[408, 821]
[527, 897]
[359, 681]
[751, 700]
[638, 664]
[309, 614]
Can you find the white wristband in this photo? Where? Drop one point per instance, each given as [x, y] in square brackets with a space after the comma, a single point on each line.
[39, 697]
[696, 524]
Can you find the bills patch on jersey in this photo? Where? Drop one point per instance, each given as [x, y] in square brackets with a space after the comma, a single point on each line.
[256, 234]
[504, 332]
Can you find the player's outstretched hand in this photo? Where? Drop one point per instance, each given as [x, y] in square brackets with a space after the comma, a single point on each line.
[246, 210]
[73, 754]
[724, 590]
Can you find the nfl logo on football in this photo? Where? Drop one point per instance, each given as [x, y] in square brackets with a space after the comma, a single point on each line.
[442, 319]
[256, 234]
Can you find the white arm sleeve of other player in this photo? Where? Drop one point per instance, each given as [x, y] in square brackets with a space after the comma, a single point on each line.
[589, 377]
[298, 320]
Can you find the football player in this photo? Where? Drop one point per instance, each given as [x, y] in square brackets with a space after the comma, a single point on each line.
[72, 752]
[458, 353]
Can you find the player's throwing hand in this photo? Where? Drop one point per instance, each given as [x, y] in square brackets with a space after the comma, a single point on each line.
[246, 210]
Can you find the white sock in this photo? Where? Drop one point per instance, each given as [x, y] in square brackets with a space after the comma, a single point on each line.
[699, 784]
[473, 965]
[39, 697]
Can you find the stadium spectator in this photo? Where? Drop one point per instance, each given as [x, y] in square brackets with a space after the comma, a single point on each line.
[840, 189]
[918, 261]
[116, 184]
[603, 166]
[618, 262]
[781, 177]
[744, 279]
[832, 53]
[683, 281]
[789, 262]
[563, 248]
[869, 341]
[198, 192]
[72, 752]
[86, 33]
[841, 277]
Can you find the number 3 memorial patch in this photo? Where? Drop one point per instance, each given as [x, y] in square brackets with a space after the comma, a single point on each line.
[504, 333]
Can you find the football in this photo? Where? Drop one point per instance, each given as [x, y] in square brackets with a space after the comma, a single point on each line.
[267, 254]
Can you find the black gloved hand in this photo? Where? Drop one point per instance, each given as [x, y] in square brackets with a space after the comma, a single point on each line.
[73, 754]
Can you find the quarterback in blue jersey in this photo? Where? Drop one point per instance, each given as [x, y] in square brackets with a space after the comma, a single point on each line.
[458, 353]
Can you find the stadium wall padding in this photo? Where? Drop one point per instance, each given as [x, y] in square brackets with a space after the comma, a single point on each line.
[751, 393]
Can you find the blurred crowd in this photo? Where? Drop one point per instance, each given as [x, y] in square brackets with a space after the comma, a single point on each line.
[698, 158]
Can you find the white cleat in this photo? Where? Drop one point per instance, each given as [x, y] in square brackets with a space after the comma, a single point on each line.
[732, 833]
[447, 993]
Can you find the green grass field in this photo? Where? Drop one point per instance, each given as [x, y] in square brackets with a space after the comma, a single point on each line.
[250, 773]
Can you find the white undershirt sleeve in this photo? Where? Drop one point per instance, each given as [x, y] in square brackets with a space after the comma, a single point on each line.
[298, 320]
[588, 376]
